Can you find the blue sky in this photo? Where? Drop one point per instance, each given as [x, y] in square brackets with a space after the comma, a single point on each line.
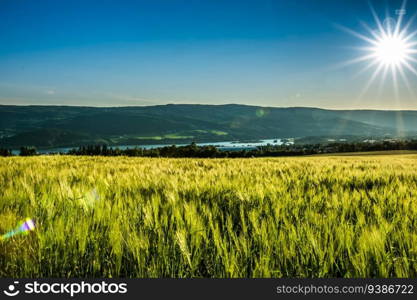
[117, 53]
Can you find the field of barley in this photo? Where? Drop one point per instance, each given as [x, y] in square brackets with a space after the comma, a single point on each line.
[318, 216]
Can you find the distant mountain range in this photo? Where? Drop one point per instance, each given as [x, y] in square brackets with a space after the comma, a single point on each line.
[67, 126]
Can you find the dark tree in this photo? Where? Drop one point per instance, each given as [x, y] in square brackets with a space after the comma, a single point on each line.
[5, 152]
[27, 151]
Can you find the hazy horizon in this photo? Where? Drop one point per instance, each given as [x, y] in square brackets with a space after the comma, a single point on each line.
[140, 53]
[223, 104]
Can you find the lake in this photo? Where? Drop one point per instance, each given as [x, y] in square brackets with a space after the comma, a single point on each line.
[228, 145]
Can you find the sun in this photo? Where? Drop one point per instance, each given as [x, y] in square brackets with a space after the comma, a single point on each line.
[390, 48]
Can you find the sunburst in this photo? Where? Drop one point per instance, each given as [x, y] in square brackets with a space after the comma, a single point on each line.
[390, 49]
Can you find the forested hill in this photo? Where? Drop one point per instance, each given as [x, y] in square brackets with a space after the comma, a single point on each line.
[56, 126]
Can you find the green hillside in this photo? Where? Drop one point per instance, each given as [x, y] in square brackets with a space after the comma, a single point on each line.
[53, 126]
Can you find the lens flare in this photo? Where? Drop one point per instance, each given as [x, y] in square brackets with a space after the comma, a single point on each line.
[23, 228]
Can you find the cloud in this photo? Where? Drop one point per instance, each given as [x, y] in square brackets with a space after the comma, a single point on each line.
[50, 92]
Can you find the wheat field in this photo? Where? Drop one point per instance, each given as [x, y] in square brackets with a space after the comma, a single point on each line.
[318, 216]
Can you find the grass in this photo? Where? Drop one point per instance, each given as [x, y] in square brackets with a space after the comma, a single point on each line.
[371, 153]
[267, 217]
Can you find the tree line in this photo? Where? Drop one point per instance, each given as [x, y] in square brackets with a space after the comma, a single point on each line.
[24, 151]
[195, 151]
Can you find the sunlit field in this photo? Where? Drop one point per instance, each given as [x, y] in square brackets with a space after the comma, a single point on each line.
[317, 216]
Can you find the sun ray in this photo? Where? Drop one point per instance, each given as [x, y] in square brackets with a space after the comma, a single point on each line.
[395, 81]
[387, 23]
[383, 78]
[371, 80]
[369, 66]
[357, 34]
[371, 31]
[410, 67]
[400, 18]
[411, 58]
[410, 45]
[354, 61]
[377, 21]
[404, 30]
[399, 119]
[407, 82]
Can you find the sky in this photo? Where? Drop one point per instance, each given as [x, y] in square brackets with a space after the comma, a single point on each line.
[124, 53]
